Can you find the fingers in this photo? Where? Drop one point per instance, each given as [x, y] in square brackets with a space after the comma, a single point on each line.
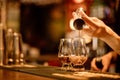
[88, 20]
[93, 65]
[105, 68]
[74, 15]
[94, 68]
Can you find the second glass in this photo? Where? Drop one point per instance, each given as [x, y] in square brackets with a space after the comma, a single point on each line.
[79, 55]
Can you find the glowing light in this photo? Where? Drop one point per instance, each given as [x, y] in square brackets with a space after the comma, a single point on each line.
[78, 1]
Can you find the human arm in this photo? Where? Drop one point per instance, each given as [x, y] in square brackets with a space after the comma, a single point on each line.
[97, 28]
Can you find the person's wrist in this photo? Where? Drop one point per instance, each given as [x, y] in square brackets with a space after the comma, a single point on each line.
[112, 39]
[108, 33]
[110, 36]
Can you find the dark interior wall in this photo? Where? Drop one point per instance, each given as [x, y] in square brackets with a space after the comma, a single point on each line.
[36, 22]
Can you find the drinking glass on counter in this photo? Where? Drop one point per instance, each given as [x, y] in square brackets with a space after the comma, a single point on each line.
[79, 55]
[65, 50]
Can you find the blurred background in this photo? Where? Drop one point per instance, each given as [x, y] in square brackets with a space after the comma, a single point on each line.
[43, 23]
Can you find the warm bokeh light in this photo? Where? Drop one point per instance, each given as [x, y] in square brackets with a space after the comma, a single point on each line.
[78, 1]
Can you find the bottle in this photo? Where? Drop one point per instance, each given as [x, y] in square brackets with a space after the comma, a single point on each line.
[18, 56]
[2, 46]
[9, 46]
[78, 23]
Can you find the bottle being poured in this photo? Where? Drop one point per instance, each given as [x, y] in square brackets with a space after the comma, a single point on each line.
[78, 22]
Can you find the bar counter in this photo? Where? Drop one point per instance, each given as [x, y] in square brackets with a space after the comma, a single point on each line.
[51, 73]
[13, 75]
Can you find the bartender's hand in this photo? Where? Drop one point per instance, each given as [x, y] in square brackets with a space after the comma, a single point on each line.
[95, 28]
[106, 60]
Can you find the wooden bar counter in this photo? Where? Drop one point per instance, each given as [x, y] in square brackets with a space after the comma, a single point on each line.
[13, 75]
[51, 73]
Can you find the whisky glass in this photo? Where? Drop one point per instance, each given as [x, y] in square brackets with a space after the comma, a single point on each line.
[65, 50]
[79, 55]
